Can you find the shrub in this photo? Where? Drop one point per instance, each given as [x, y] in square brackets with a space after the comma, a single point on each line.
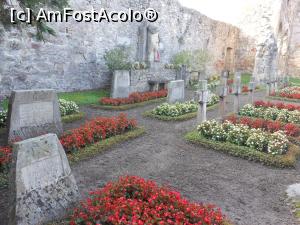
[3, 118]
[290, 129]
[270, 113]
[118, 59]
[133, 200]
[279, 105]
[134, 98]
[257, 140]
[96, 130]
[278, 143]
[67, 107]
[244, 135]
[5, 157]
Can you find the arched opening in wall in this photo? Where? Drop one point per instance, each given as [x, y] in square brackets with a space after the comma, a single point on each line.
[229, 59]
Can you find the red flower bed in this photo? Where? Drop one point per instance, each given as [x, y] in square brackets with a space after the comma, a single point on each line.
[134, 98]
[135, 201]
[96, 130]
[5, 157]
[280, 105]
[245, 89]
[269, 125]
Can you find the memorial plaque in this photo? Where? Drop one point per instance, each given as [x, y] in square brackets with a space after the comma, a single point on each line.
[42, 185]
[176, 91]
[33, 113]
[121, 84]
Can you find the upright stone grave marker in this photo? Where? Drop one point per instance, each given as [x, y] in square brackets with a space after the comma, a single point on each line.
[222, 91]
[176, 91]
[121, 84]
[237, 92]
[203, 99]
[251, 91]
[33, 113]
[41, 183]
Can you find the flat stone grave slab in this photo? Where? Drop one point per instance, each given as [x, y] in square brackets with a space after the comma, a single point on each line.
[33, 113]
[176, 91]
[41, 183]
[121, 84]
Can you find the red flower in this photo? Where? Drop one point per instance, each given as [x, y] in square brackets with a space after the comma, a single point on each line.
[5, 156]
[135, 97]
[291, 130]
[96, 130]
[133, 200]
[245, 89]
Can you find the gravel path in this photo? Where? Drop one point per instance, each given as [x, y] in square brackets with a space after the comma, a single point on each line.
[247, 192]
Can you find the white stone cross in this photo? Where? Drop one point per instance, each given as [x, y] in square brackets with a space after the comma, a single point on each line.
[203, 99]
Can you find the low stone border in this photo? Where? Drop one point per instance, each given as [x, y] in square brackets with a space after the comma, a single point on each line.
[90, 151]
[283, 99]
[184, 117]
[282, 161]
[73, 117]
[128, 106]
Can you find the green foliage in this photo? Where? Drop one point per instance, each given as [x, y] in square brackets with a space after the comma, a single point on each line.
[194, 60]
[72, 118]
[118, 59]
[282, 161]
[35, 5]
[199, 59]
[182, 58]
[84, 97]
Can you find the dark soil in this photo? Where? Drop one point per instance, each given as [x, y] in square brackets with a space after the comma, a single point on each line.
[247, 192]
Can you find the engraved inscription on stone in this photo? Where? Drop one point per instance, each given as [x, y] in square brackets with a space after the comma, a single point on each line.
[36, 113]
[42, 173]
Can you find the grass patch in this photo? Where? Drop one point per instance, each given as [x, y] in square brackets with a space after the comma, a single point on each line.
[246, 78]
[282, 161]
[4, 104]
[294, 81]
[101, 146]
[73, 117]
[84, 97]
[184, 117]
[128, 106]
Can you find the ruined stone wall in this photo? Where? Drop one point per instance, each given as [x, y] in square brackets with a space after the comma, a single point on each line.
[73, 60]
[289, 38]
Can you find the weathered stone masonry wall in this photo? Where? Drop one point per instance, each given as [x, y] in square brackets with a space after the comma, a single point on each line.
[73, 60]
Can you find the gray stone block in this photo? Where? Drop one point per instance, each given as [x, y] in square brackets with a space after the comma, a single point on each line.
[33, 113]
[41, 183]
[176, 91]
[120, 84]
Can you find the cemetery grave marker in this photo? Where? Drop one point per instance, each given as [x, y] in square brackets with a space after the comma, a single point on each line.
[121, 84]
[176, 91]
[222, 91]
[42, 185]
[32, 113]
[203, 99]
[237, 91]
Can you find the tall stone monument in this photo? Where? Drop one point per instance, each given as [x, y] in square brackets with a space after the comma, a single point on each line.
[176, 91]
[33, 113]
[237, 91]
[41, 183]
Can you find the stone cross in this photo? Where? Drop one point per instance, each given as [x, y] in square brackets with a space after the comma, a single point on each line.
[203, 99]
[237, 92]
[251, 90]
[222, 91]
[42, 185]
[286, 81]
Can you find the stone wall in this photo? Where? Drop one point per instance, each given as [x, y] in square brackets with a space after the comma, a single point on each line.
[289, 38]
[73, 60]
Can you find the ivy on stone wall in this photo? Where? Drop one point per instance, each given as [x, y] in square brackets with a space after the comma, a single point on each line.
[35, 5]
